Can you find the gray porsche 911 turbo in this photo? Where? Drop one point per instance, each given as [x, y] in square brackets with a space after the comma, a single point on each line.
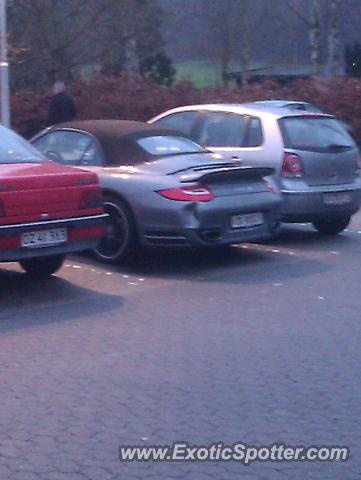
[162, 189]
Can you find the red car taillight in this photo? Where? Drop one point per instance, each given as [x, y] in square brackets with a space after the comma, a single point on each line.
[292, 165]
[91, 199]
[188, 194]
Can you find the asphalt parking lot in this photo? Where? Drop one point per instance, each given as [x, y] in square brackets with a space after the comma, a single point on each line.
[259, 344]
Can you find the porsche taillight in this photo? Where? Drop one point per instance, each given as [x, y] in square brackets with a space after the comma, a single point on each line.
[195, 193]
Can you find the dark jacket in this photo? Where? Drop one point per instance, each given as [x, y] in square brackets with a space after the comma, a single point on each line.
[62, 109]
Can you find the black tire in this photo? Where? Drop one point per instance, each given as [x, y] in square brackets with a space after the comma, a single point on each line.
[42, 266]
[331, 226]
[119, 241]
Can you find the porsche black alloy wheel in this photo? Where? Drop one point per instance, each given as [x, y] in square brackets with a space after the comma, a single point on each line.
[118, 242]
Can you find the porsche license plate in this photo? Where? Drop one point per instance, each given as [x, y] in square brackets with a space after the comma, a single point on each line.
[44, 238]
[336, 198]
[247, 220]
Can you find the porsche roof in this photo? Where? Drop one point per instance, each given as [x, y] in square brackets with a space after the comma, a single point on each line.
[105, 129]
[118, 137]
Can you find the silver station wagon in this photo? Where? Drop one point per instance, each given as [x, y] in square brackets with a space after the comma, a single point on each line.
[315, 159]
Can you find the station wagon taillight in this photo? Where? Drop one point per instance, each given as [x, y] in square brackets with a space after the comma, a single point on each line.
[291, 165]
[188, 194]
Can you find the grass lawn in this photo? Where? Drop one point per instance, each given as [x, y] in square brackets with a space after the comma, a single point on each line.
[201, 73]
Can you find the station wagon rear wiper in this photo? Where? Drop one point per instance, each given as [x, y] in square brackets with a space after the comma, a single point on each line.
[338, 146]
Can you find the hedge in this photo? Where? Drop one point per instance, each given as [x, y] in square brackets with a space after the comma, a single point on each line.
[136, 98]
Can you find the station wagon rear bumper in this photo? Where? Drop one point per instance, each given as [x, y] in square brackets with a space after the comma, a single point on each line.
[82, 233]
[309, 205]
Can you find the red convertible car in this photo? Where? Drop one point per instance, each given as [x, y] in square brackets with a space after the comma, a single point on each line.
[46, 210]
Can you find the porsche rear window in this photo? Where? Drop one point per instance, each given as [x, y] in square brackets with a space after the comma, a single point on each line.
[314, 133]
[168, 145]
[15, 149]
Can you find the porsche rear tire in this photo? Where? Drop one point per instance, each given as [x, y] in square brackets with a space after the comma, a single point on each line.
[119, 241]
[43, 266]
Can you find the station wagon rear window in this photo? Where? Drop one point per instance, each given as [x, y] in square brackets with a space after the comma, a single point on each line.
[318, 134]
[15, 149]
[169, 145]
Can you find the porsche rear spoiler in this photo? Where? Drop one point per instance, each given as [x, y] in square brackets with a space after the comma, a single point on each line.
[226, 173]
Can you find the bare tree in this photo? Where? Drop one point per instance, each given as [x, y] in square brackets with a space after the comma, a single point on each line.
[332, 64]
[315, 36]
[323, 33]
[244, 54]
[282, 33]
[225, 43]
[50, 38]
[217, 39]
[57, 38]
[228, 33]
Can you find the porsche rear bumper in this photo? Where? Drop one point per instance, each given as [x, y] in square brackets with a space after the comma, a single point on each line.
[173, 223]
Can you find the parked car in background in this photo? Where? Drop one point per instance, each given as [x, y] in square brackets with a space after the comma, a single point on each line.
[315, 158]
[162, 189]
[46, 210]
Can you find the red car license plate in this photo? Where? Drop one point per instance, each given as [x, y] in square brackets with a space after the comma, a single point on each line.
[44, 238]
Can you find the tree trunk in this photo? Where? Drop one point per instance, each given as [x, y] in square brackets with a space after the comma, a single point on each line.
[315, 36]
[333, 40]
[244, 32]
[225, 33]
[131, 62]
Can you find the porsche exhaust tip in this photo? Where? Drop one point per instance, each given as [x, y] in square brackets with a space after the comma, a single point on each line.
[211, 235]
[275, 227]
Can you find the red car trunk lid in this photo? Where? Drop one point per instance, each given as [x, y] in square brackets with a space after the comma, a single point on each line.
[27, 191]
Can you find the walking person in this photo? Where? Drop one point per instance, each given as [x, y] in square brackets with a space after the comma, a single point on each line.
[62, 107]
